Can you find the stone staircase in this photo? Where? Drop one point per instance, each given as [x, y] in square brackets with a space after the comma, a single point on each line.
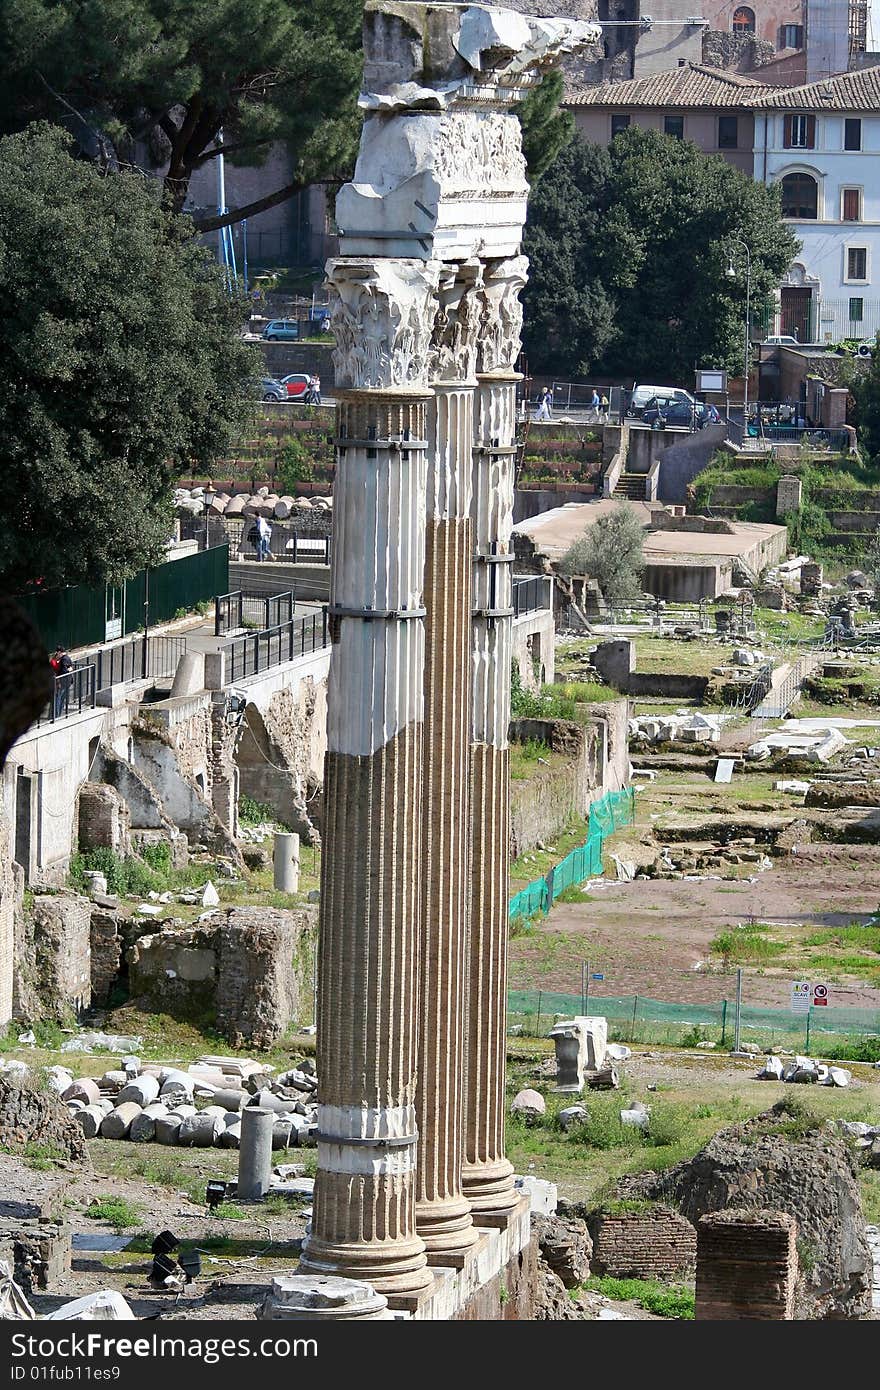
[631, 486]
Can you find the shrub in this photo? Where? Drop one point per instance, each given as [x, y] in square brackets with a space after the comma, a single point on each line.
[118, 1211]
[660, 1299]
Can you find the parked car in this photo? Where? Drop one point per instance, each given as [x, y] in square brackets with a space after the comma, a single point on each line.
[296, 385]
[271, 390]
[643, 396]
[692, 414]
[781, 340]
[281, 331]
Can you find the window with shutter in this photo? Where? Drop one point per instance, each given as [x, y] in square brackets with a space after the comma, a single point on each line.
[852, 204]
[857, 263]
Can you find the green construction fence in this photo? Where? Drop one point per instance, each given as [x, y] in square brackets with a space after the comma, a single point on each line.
[613, 811]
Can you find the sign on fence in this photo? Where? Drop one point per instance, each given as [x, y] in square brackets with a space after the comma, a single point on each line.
[800, 996]
[819, 996]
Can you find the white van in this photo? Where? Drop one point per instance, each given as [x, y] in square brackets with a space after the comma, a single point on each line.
[642, 395]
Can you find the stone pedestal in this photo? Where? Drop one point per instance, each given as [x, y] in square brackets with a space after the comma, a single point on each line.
[285, 863]
[255, 1154]
[568, 1041]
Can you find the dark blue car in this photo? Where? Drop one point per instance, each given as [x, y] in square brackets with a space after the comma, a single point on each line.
[692, 417]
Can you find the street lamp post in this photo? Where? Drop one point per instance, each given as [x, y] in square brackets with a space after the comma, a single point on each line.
[207, 499]
[731, 272]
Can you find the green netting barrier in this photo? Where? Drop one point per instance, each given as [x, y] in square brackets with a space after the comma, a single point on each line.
[612, 812]
[636, 1009]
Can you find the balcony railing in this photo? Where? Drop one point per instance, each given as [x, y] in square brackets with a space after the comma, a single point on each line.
[260, 651]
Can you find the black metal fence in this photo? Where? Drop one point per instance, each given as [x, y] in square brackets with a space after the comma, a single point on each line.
[530, 594]
[238, 609]
[141, 658]
[260, 651]
[72, 693]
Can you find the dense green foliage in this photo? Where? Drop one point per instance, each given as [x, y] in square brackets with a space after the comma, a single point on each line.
[120, 364]
[611, 552]
[545, 129]
[154, 82]
[629, 249]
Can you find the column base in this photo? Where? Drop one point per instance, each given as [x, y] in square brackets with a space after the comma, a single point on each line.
[446, 1227]
[489, 1187]
[402, 1268]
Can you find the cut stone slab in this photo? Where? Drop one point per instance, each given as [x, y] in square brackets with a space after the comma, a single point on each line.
[530, 1104]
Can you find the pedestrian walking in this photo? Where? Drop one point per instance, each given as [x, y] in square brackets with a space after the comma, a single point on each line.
[62, 668]
[316, 390]
[264, 535]
[603, 407]
[545, 401]
[593, 404]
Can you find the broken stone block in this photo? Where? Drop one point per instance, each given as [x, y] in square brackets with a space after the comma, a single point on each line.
[85, 1090]
[200, 1131]
[143, 1126]
[530, 1104]
[117, 1124]
[319, 1298]
[772, 1070]
[90, 1119]
[572, 1115]
[231, 1136]
[41, 1257]
[168, 1128]
[637, 1116]
[542, 1195]
[143, 1090]
[595, 1032]
[565, 1246]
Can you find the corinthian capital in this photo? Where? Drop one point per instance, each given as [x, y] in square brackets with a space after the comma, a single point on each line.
[500, 338]
[382, 314]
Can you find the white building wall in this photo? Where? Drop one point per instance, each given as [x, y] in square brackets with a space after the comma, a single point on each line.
[823, 262]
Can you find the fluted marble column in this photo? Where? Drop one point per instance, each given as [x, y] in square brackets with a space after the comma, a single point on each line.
[443, 1214]
[368, 957]
[486, 1172]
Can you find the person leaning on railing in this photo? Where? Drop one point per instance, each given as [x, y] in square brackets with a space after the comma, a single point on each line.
[62, 667]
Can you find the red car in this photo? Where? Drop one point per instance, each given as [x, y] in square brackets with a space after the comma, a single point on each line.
[297, 384]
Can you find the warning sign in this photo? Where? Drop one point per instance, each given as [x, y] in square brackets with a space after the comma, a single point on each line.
[819, 996]
[800, 996]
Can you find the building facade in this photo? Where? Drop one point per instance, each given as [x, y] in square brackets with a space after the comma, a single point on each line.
[820, 142]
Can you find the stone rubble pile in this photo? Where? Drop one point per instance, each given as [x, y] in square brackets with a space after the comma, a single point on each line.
[156, 1103]
[803, 1071]
[686, 727]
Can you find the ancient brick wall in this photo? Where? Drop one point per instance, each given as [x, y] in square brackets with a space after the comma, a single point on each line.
[655, 1244]
[8, 906]
[104, 819]
[106, 943]
[746, 1266]
[53, 957]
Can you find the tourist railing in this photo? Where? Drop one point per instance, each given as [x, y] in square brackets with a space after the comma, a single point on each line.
[259, 651]
[238, 610]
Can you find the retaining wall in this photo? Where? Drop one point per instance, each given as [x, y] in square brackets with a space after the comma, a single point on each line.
[655, 1244]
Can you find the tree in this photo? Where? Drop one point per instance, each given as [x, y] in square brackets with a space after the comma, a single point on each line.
[630, 248]
[545, 129]
[121, 364]
[865, 388]
[611, 552]
[156, 81]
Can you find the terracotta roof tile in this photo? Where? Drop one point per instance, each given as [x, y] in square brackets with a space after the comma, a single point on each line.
[848, 91]
[687, 86]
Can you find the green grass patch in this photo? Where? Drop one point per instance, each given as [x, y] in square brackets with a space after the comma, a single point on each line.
[745, 946]
[525, 757]
[116, 1211]
[666, 1301]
